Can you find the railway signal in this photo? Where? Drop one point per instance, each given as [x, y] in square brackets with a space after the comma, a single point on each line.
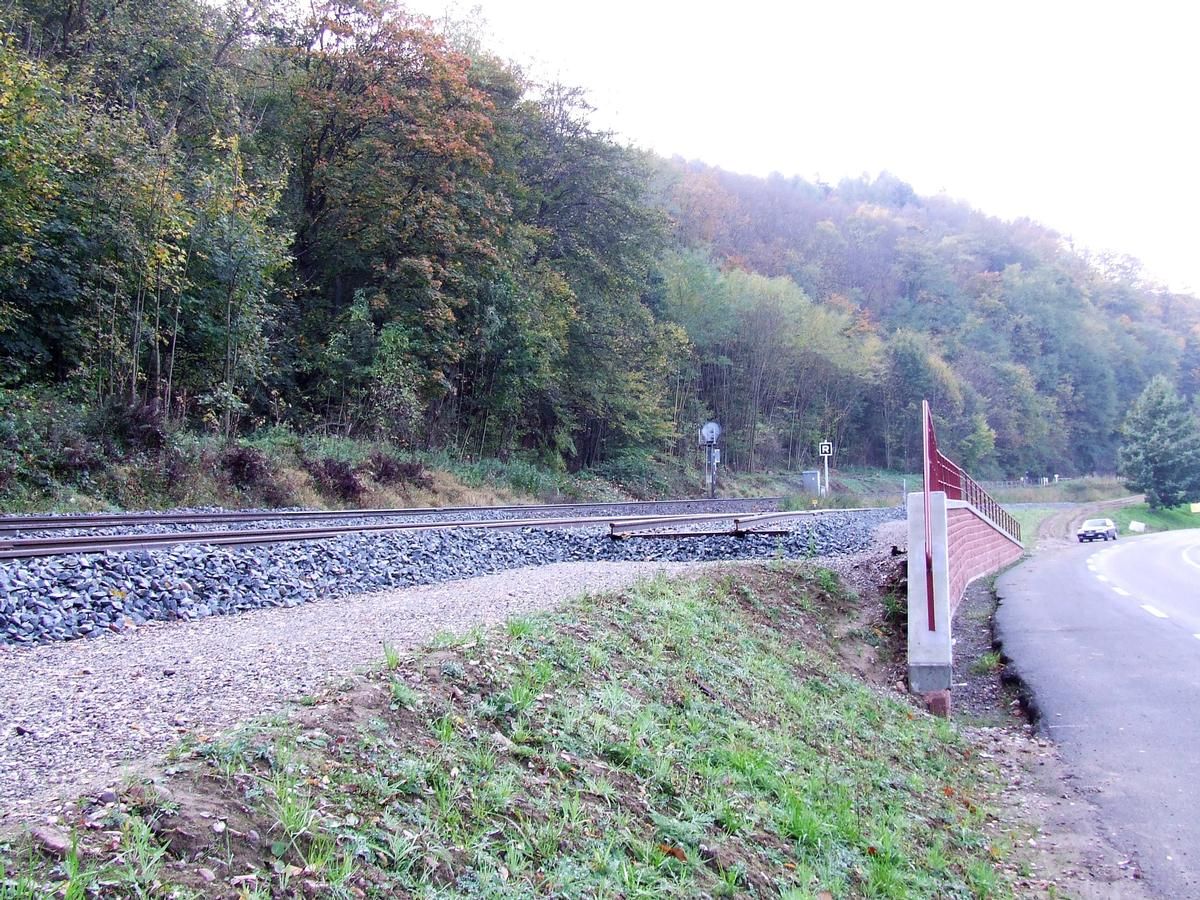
[709, 433]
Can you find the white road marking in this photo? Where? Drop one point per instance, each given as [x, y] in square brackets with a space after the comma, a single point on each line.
[1157, 613]
[1102, 578]
[1196, 636]
[1187, 557]
[1122, 591]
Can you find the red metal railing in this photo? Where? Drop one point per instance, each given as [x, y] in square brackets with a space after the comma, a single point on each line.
[943, 474]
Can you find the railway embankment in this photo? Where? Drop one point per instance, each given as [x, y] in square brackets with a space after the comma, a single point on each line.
[70, 596]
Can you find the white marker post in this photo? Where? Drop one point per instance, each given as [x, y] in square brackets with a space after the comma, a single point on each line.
[825, 450]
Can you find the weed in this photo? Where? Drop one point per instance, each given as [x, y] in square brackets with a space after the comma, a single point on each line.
[319, 854]
[982, 877]
[453, 670]
[292, 808]
[387, 469]
[674, 743]
[403, 695]
[140, 855]
[895, 608]
[391, 657]
[443, 640]
[80, 881]
[828, 581]
[444, 728]
[519, 627]
[250, 470]
[987, 663]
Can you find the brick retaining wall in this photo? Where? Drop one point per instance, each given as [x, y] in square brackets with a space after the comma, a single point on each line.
[976, 548]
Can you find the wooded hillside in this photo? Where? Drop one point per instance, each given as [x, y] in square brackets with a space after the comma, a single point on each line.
[354, 222]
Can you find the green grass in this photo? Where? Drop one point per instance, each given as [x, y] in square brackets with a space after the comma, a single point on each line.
[1155, 519]
[391, 657]
[1077, 490]
[864, 480]
[684, 739]
[987, 662]
[1029, 518]
[854, 487]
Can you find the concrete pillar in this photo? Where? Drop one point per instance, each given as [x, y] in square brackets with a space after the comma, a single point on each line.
[930, 653]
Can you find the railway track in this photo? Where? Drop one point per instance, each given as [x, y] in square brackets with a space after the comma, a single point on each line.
[10, 524]
[56, 545]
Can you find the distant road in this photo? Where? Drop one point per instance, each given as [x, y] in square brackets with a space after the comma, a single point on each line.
[1058, 529]
[1107, 636]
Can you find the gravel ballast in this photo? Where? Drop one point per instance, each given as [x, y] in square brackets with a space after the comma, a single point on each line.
[183, 521]
[66, 597]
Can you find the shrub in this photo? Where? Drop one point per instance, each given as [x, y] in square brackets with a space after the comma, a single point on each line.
[335, 478]
[45, 444]
[387, 469]
[133, 426]
[643, 476]
[249, 470]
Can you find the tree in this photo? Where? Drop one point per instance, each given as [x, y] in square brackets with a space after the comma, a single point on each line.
[1160, 453]
[37, 134]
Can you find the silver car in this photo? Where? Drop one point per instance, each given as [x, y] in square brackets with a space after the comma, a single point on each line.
[1097, 530]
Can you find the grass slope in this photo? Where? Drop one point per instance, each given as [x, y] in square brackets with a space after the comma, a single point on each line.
[685, 739]
[1155, 519]
[1030, 518]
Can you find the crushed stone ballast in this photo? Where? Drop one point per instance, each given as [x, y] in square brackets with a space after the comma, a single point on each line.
[64, 597]
[185, 520]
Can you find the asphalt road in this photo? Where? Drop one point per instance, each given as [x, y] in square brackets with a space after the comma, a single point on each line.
[1107, 636]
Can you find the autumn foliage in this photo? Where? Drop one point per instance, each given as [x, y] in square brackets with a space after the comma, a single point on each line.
[348, 219]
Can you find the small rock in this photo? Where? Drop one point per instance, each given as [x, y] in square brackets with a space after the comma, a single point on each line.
[218, 826]
[51, 840]
[169, 673]
[107, 796]
[208, 875]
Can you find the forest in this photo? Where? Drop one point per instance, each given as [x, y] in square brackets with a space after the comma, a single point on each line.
[344, 219]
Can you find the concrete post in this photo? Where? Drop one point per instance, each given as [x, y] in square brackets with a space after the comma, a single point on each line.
[930, 654]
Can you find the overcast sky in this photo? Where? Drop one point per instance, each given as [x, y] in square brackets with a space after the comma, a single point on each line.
[1082, 116]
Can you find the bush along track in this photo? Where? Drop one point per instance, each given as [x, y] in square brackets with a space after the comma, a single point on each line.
[684, 739]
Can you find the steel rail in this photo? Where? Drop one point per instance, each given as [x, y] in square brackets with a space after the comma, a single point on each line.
[768, 532]
[646, 523]
[23, 548]
[622, 528]
[108, 520]
[748, 522]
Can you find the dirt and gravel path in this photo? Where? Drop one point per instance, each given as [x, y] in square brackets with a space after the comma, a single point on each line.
[1058, 529]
